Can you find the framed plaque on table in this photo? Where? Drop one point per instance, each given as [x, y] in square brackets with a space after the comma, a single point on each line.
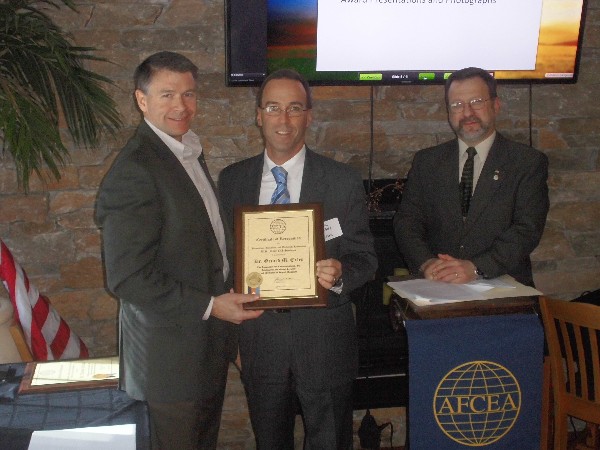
[52, 376]
[277, 247]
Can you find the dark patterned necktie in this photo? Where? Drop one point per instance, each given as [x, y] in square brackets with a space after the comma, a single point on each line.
[281, 196]
[466, 182]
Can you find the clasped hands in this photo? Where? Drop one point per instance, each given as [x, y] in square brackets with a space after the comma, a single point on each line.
[447, 269]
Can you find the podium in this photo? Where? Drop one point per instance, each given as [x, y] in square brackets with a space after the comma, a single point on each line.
[475, 373]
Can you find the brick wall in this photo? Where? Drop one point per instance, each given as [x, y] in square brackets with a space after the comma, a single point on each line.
[51, 230]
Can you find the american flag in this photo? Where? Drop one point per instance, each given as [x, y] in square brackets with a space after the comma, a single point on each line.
[47, 334]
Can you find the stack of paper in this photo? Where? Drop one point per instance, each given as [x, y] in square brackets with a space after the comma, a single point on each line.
[427, 292]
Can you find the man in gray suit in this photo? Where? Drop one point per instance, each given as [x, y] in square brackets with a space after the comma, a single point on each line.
[166, 252]
[464, 217]
[303, 356]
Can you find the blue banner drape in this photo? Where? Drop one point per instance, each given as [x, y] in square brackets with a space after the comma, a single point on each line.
[475, 382]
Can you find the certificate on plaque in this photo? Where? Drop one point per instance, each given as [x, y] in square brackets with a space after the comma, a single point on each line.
[277, 247]
[50, 376]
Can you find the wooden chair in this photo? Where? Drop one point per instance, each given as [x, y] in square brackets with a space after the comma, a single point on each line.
[573, 336]
[17, 334]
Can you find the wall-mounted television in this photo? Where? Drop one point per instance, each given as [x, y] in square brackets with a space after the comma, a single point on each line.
[388, 42]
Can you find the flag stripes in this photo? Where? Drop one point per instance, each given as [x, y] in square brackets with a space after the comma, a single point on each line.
[46, 332]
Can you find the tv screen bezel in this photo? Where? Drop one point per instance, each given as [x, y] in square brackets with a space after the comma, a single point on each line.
[254, 80]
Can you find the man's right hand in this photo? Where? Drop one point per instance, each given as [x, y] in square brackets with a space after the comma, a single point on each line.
[230, 307]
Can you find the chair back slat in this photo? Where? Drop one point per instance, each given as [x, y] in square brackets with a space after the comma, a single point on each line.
[581, 363]
[568, 379]
[596, 364]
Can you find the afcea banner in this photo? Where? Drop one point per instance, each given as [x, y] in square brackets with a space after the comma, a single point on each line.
[475, 382]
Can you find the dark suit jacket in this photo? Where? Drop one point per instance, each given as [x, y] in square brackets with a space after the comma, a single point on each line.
[163, 262]
[506, 217]
[325, 347]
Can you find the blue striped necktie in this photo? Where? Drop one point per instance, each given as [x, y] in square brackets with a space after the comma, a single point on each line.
[281, 196]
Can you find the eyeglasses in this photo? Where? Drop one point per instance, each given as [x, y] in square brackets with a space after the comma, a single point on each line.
[291, 111]
[475, 104]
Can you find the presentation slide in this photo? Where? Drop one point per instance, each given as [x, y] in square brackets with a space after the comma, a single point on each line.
[379, 35]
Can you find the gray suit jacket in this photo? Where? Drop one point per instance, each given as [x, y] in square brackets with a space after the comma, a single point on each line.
[506, 217]
[163, 262]
[325, 346]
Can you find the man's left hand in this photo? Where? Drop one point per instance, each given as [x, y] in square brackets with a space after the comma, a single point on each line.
[329, 272]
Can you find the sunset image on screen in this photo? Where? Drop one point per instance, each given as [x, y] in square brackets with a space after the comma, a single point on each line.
[559, 33]
[292, 35]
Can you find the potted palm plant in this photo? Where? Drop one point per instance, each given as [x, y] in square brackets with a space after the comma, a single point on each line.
[43, 85]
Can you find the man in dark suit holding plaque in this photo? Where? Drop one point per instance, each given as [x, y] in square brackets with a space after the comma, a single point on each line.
[475, 206]
[166, 253]
[305, 356]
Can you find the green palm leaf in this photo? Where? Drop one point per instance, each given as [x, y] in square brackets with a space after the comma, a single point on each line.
[43, 78]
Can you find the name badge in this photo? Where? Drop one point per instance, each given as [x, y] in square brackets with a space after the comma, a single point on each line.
[332, 229]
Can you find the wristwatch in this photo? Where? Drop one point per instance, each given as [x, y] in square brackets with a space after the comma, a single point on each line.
[478, 274]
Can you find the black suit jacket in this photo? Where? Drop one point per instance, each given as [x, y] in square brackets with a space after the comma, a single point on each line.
[506, 217]
[325, 347]
[163, 262]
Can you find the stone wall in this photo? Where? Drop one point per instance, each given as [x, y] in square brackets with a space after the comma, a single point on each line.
[51, 230]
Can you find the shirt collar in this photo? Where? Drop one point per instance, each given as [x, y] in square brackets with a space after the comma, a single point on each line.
[295, 162]
[483, 148]
[189, 149]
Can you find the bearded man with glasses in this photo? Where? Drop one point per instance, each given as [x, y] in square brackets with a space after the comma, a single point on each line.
[474, 206]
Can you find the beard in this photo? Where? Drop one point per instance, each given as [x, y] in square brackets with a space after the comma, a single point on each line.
[475, 136]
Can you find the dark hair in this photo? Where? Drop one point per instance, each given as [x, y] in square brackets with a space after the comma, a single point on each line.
[472, 72]
[285, 74]
[162, 61]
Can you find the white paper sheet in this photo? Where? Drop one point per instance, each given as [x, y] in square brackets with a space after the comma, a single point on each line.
[427, 34]
[115, 437]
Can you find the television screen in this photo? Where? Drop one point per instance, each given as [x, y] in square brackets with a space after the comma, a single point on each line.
[387, 42]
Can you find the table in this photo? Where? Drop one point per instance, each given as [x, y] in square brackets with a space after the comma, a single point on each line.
[21, 414]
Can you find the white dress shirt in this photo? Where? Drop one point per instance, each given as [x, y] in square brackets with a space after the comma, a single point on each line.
[187, 152]
[294, 168]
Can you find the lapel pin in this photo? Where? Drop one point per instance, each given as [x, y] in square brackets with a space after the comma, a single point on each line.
[496, 175]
